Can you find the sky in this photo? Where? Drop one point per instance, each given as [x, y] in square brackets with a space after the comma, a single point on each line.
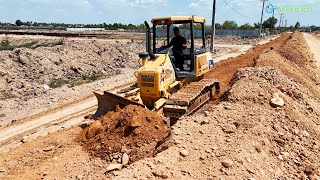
[137, 11]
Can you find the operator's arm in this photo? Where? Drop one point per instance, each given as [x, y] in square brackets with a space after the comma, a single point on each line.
[170, 44]
[184, 43]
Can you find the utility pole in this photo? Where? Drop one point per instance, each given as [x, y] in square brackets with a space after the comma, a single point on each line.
[213, 27]
[285, 24]
[260, 31]
[280, 22]
[271, 29]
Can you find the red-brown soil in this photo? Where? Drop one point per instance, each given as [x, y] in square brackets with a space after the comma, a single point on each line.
[134, 130]
[224, 70]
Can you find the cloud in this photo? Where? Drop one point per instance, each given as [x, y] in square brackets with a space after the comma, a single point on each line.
[149, 2]
[132, 3]
[193, 5]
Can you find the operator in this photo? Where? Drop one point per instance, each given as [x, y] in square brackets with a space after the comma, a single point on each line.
[179, 43]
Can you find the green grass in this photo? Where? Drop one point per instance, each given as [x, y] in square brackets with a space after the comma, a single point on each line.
[56, 83]
[31, 45]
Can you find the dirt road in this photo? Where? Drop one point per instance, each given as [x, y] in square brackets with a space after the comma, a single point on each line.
[314, 44]
[238, 49]
[62, 116]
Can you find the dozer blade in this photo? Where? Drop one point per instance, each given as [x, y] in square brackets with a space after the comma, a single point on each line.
[108, 102]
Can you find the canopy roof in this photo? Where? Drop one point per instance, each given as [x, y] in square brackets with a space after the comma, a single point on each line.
[177, 19]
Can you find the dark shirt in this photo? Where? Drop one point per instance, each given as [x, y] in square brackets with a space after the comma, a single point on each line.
[177, 43]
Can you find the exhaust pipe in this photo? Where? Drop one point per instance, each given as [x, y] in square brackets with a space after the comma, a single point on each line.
[148, 40]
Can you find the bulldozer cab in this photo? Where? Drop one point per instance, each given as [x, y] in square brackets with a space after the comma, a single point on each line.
[192, 28]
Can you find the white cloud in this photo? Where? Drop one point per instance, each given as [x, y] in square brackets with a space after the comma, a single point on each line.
[193, 5]
[133, 3]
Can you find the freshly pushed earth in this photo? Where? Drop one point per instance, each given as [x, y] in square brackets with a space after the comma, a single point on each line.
[134, 130]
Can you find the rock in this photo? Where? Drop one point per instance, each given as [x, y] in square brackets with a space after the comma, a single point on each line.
[124, 149]
[113, 167]
[305, 133]
[46, 88]
[86, 124]
[277, 101]
[310, 169]
[23, 139]
[229, 129]
[125, 159]
[49, 148]
[227, 163]
[78, 177]
[94, 129]
[286, 154]
[160, 174]
[184, 153]
[214, 148]
[206, 113]
[205, 121]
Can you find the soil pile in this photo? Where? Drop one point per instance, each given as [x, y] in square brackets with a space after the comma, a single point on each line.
[289, 135]
[133, 130]
[26, 71]
[224, 70]
[296, 50]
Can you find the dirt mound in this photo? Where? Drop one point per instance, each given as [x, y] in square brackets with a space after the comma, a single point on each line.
[224, 70]
[290, 133]
[133, 130]
[295, 50]
[259, 84]
[302, 74]
[25, 70]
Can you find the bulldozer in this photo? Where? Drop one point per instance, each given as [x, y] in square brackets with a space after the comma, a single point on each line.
[161, 86]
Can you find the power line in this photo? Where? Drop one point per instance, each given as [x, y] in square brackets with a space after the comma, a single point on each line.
[241, 13]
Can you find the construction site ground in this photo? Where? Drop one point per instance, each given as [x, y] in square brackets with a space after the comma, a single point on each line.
[239, 135]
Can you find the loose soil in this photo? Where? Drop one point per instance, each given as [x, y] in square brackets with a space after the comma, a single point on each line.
[134, 130]
[25, 71]
[224, 70]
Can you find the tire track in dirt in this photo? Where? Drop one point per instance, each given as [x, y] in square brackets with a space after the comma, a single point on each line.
[39, 124]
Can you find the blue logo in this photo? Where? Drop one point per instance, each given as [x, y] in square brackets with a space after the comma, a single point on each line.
[270, 8]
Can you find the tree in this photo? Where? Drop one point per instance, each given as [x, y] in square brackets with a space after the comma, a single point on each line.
[246, 26]
[229, 25]
[297, 25]
[270, 22]
[19, 22]
[141, 26]
[256, 25]
[218, 26]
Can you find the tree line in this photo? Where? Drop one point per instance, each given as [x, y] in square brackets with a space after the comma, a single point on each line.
[114, 26]
[269, 23]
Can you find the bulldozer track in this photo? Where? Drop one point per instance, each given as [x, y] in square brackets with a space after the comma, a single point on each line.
[63, 116]
[190, 97]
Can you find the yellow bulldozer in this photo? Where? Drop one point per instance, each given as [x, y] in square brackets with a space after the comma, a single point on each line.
[161, 86]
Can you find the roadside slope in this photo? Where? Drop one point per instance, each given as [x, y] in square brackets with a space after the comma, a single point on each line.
[314, 44]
